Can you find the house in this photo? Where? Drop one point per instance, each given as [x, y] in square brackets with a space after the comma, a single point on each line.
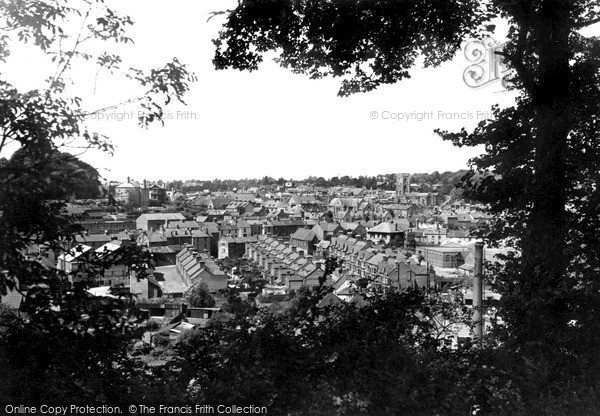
[212, 203]
[228, 230]
[277, 215]
[256, 212]
[177, 236]
[144, 288]
[93, 240]
[201, 241]
[447, 255]
[80, 264]
[435, 236]
[344, 204]
[283, 228]
[73, 262]
[355, 229]
[234, 247]
[212, 229]
[386, 231]
[344, 216]
[153, 195]
[311, 275]
[152, 239]
[256, 226]
[407, 274]
[244, 228]
[327, 230]
[305, 240]
[171, 283]
[129, 193]
[401, 210]
[153, 222]
[196, 269]
[239, 207]
[307, 203]
[115, 275]
[421, 198]
[162, 255]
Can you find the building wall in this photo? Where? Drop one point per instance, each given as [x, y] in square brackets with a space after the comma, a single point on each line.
[213, 283]
[128, 195]
[201, 244]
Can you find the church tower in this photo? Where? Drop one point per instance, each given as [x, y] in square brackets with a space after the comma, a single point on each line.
[402, 186]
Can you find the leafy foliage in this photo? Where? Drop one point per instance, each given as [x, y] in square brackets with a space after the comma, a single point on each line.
[539, 172]
[366, 43]
[72, 346]
[199, 297]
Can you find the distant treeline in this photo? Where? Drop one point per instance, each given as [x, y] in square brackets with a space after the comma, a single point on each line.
[426, 182]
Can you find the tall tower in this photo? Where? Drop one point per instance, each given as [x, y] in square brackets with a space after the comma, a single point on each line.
[402, 186]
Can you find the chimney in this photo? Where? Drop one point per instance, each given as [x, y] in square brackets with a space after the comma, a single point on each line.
[145, 184]
[294, 248]
[128, 179]
[478, 292]
[301, 253]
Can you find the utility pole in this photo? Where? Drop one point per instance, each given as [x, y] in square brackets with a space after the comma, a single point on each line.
[478, 318]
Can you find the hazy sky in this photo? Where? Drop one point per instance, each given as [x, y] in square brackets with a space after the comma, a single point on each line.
[269, 122]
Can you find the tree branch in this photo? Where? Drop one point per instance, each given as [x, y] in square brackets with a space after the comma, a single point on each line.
[586, 23]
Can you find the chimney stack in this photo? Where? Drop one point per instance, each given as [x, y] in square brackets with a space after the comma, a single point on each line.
[478, 292]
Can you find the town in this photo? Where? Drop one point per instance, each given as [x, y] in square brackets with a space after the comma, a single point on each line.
[416, 235]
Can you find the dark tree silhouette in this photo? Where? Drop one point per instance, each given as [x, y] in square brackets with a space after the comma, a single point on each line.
[539, 174]
[72, 346]
[199, 297]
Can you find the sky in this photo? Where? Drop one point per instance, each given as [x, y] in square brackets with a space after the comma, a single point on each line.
[268, 122]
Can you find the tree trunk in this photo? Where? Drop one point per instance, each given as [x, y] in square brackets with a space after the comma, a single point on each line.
[544, 257]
